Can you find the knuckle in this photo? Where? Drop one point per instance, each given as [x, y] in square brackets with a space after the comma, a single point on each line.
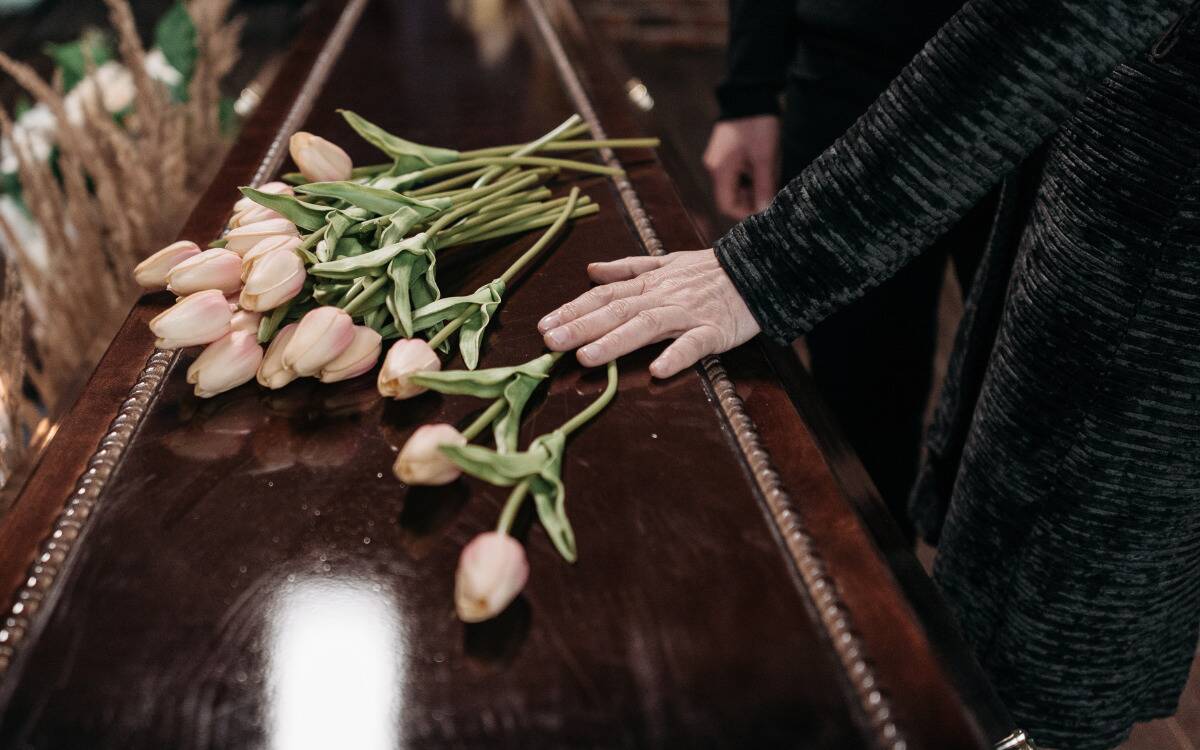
[649, 319]
[620, 309]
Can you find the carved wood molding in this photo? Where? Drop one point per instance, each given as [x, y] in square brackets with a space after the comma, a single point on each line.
[38, 591]
[818, 584]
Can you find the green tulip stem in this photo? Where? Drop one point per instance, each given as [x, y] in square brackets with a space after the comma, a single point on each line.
[485, 419]
[511, 506]
[582, 418]
[512, 161]
[355, 304]
[533, 146]
[447, 184]
[565, 145]
[311, 240]
[440, 337]
[490, 195]
[466, 238]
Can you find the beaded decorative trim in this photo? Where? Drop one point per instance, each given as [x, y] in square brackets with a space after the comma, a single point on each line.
[818, 584]
[37, 592]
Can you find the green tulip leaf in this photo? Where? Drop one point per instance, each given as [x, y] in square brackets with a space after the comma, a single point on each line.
[507, 429]
[549, 494]
[357, 265]
[488, 383]
[379, 201]
[407, 155]
[308, 216]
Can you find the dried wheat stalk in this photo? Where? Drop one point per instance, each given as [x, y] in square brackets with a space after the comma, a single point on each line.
[122, 192]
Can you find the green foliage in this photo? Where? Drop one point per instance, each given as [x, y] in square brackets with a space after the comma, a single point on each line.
[93, 49]
[308, 216]
[175, 35]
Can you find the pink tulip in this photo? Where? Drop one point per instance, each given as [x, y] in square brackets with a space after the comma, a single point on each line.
[274, 279]
[199, 318]
[245, 320]
[492, 570]
[247, 236]
[264, 246]
[211, 269]
[360, 356]
[272, 373]
[421, 460]
[275, 188]
[225, 364]
[318, 159]
[322, 335]
[406, 357]
[152, 272]
[252, 215]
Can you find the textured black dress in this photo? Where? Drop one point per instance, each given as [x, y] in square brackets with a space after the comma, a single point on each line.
[1063, 482]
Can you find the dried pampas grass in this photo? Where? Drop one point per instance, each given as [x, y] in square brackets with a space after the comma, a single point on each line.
[121, 192]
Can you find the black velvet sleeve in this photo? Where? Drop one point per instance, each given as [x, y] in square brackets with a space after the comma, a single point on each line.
[762, 42]
[993, 83]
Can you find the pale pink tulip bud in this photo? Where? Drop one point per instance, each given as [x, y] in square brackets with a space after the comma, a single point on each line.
[318, 159]
[271, 373]
[199, 318]
[264, 246]
[226, 363]
[252, 215]
[245, 320]
[323, 334]
[275, 278]
[360, 356]
[406, 357]
[421, 461]
[248, 235]
[211, 269]
[275, 188]
[492, 570]
[152, 272]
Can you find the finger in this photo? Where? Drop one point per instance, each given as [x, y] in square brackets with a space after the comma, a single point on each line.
[593, 299]
[686, 351]
[625, 268]
[588, 328]
[766, 183]
[647, 327]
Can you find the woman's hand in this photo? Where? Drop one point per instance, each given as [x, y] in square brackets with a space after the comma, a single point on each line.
[686, 296]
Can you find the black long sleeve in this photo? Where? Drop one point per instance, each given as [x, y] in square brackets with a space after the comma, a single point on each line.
[993, 83]
[762, 42]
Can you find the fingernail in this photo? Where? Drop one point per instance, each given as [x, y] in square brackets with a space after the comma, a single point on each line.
[546, 323]
[589, 353]
[557, 337]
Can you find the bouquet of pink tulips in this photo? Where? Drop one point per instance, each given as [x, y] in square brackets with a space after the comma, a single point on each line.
[323, 267]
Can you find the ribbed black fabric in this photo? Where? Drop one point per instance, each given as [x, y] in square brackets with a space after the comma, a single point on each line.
[1070, 547]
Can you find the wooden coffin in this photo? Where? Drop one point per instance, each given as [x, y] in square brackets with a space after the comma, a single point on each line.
[245, 571]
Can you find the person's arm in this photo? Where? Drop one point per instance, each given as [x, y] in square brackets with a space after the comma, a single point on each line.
[762, 43]
[742, 156]
[994, 82]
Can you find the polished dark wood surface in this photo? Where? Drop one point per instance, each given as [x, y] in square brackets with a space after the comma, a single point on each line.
[253, 575]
